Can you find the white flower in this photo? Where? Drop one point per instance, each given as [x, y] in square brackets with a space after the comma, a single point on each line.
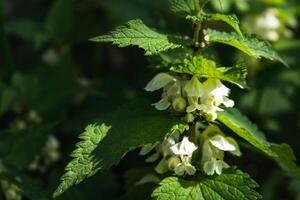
[213, 153]
[159, 81]
[214, 166]
[222, 143]
[194, 88]
[193, 104]
[269, 20]
[185, 147]
[185, 167]
[215, 94]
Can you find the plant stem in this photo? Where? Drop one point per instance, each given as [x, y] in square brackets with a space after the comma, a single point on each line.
[4, 47]
[197, 25]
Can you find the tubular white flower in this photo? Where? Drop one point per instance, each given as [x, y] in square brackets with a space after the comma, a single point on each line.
[214, 166]
[185, 147]
[159, 81]
[194, 88]
[185, 167]
[215, 94]
[213, 153]
[222, 143]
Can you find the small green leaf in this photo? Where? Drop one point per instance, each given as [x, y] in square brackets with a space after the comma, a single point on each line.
[203, 67]
[281, 153]
[135, 32]
[230, 185]
[231, 20]
[183, 7]
[249, 44]
[83, 164]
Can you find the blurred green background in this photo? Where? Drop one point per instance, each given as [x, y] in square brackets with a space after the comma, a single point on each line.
[54, 82]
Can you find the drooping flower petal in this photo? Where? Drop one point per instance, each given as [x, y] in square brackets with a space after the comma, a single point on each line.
[162, 166]
[163, 104]
[222, 143]
[147, 148]
[159, 81]
[185, 147]
[237, 151]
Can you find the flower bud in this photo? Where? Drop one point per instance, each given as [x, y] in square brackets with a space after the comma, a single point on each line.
[173, 162]
[179, 104]
[189, 118]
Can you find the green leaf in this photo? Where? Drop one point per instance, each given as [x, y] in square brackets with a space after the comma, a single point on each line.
[83, 164]
[281, 153]
[286, 159]
[249, 44]
[230, 185]
[133, 125]
[183, 7]
[203, 67]
[135, 32]
[231, 20]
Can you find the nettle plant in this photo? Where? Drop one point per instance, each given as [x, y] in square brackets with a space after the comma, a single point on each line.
[182, 132]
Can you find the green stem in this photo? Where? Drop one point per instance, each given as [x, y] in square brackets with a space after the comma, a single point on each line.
[197, 25]
[4, 47]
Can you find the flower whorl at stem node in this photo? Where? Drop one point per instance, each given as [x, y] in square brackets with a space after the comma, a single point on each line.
[191, 95]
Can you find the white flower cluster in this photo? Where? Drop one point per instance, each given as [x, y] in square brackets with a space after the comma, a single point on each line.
[177, 155]
[271, 25]
[191, 96]
[214, 146]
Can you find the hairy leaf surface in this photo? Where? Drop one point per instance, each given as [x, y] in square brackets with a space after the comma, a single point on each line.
[231, 20]
[249, 44]
[230, 185]
[83, 164]
[132, 126]
[203, 67]
[183, 7]
[135, 32]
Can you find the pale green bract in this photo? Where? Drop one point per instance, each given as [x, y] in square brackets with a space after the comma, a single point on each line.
[206, 68]
[281, 153]
[135, 32]
[249, 44]
[230, 185]
[231, 20]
